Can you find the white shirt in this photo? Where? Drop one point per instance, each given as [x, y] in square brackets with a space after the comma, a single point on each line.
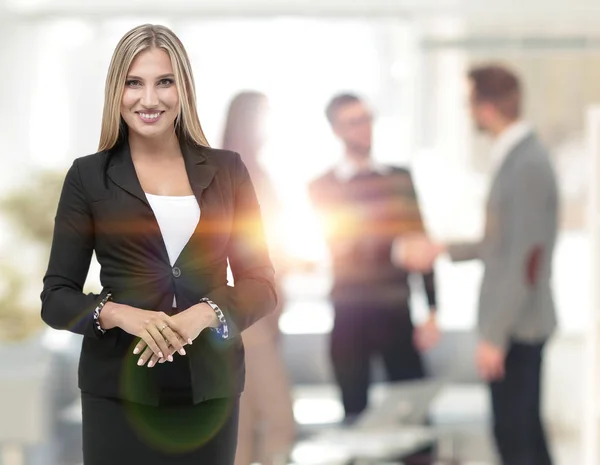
[346, 169]
[177, 218]
[506, 141]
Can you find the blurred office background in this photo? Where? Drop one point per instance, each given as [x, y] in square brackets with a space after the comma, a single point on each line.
[409, 59]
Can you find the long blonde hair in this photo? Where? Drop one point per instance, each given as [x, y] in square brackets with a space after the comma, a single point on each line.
[187, 125]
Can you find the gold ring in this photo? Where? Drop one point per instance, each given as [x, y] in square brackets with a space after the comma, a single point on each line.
[162, 329]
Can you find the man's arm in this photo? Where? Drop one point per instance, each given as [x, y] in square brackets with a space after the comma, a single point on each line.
[416, 224]
[464, 251]
[429, 286]
[426, 335]
[411, 248]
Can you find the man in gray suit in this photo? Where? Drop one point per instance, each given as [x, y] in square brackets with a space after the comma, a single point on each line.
[516, 309]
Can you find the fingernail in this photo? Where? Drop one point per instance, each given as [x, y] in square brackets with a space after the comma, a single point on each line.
[140, 362]
[170, 358]
[136, 351]
[160, 354]
[150, 364]
[162, 360]
[182, 351]
[189, 341]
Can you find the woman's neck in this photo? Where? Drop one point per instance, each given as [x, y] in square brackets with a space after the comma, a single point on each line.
[164, 147]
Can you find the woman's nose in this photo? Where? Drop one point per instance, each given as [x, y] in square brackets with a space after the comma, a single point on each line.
[150, 97]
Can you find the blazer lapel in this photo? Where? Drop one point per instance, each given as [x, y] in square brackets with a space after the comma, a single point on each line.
[200, 174]
[122, 171]
[199, 169]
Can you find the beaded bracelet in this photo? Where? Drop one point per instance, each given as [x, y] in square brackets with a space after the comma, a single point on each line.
[223, 329]
[98, 310]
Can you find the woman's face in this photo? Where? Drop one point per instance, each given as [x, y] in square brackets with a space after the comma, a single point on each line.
[150, 101]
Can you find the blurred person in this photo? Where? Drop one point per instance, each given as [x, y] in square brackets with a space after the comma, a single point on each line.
[162, 361]
[266, 428]
[363, 206]
[516, 308]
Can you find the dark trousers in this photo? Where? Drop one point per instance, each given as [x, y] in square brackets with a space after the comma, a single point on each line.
[518, 428]
[361, 332]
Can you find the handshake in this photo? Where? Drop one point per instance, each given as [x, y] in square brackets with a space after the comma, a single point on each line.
[416, 252]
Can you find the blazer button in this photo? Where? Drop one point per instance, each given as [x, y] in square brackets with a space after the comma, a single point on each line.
[176, 272]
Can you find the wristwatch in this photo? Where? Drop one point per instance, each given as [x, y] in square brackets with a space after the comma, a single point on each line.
[97, 311]
[222, 329]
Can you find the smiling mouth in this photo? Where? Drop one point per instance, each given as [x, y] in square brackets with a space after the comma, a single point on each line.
[149, 117]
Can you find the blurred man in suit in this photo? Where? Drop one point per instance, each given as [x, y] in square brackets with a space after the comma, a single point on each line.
[516, 309]
[364, 206]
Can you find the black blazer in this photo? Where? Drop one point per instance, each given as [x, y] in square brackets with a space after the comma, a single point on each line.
[103, 208]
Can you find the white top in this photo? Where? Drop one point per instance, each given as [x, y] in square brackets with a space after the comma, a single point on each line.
[177, 218]
[346, 169]
[506, 141]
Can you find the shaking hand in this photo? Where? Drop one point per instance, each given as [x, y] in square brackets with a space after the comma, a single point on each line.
[415, 252]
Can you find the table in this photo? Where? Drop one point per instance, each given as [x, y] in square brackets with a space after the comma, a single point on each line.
[345, 446]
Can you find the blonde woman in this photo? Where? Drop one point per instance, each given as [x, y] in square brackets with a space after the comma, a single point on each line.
[162, 362]
[266, 430]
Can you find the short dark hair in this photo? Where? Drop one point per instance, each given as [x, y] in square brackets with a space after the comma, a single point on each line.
[499, 86]
[339, 101]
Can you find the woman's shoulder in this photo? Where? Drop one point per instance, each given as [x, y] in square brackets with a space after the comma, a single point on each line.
[91, 163]
[87, 172]
[227, 162]
[221, 157]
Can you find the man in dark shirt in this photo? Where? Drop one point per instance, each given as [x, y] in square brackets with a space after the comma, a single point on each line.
[363, 207]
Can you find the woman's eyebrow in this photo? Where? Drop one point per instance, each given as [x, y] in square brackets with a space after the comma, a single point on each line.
[170, 75]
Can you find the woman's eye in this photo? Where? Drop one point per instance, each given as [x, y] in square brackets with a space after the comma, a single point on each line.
[165, 82]
[132, 83]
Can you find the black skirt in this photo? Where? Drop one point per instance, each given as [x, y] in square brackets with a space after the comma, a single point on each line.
[177, 432]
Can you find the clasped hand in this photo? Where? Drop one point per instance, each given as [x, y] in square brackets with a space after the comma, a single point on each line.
[160, 335]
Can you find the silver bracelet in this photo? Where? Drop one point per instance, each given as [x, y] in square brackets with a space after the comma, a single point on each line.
[223, 329]
[98, 310]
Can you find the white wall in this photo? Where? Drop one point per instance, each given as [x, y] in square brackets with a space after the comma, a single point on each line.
[507, 9]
